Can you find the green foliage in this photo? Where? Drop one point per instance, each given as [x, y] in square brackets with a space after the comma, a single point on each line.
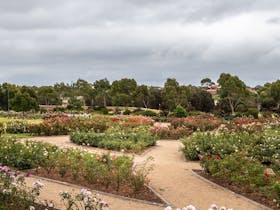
[2, 128]
[134, 140]
[253, 112]
[233, 90]
[65, 125]
[180, 111]
[75, 104]
[100, 169]
[275, 92]
[171, 132]
[241, 158]
[126, 112]
[23, 102]
[14, 193]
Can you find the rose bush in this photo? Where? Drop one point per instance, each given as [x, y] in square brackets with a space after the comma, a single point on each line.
[116, 138]
[199, 122]
[103, 170]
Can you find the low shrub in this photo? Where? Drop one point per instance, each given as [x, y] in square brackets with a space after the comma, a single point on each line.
[133, 140]
[2, 128]
[180, 112]
[65, 125]
[13, 191]
[96, 169]
[126, 112]
[17, 126]
[169, 132]
[237, 168]
[249, 160]
[200, 122]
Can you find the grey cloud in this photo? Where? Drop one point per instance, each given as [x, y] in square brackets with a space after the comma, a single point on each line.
[52, 41]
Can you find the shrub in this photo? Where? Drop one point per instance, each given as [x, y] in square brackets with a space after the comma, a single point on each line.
[13, 191]
[2, 128]
[99, 169]
[126, 112]
[169, 132]
[180, 112]
[116, 139]
[17, 126]
[200, 122]
[253, 112]
[65, 125]
[237, 168]
[149, 113]
[250, 160]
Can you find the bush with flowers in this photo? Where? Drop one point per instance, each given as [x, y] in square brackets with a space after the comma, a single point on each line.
[64, 125]
[116, 138]
[101, 171]
[169, 132]
[251, 161]
[199, 122]
[191, 207]
[14, 194]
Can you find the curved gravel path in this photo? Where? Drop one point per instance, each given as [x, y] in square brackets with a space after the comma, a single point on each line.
[171, 178]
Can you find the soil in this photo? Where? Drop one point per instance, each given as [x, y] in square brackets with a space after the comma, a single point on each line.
[240, 189]
[125, 190]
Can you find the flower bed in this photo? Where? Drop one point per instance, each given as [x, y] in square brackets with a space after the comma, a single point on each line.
[248, 160]
[102, 172]
[63, 124]
[14, 195]
[134, 140]
[169, 132]
[199, 122]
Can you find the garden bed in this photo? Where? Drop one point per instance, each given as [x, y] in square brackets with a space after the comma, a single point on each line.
[125, 190]
[244, 190]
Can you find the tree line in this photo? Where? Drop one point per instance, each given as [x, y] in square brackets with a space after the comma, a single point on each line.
[232, 96]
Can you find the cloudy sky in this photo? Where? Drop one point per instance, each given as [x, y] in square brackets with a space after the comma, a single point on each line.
[48, 41]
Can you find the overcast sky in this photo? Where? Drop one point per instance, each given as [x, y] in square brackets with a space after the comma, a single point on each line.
[48, 41]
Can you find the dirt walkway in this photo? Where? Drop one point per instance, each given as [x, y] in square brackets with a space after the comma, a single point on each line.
[170, 178]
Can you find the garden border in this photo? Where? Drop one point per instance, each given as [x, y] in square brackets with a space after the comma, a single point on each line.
[228, 190]
[110, 194]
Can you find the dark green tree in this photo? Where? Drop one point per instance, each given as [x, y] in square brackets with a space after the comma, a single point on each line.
[275, 92]
[102, 91]
[233, 90]
[170, 94]
[123, 89]
[23, 102]
[206, 83]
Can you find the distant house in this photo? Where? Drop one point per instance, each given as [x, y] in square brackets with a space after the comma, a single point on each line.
[65, 101]
[213, 90]
[252, 90]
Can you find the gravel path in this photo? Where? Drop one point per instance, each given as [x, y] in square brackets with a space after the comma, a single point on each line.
[171, 178]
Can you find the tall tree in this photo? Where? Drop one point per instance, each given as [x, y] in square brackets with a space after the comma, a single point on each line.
[142, 96]
[102, 91]
[233, 90]
[170, 94]
[123, 89]
[206, 82]
[23, 102]
[48, 96]
[275, 92]
[84, 89]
